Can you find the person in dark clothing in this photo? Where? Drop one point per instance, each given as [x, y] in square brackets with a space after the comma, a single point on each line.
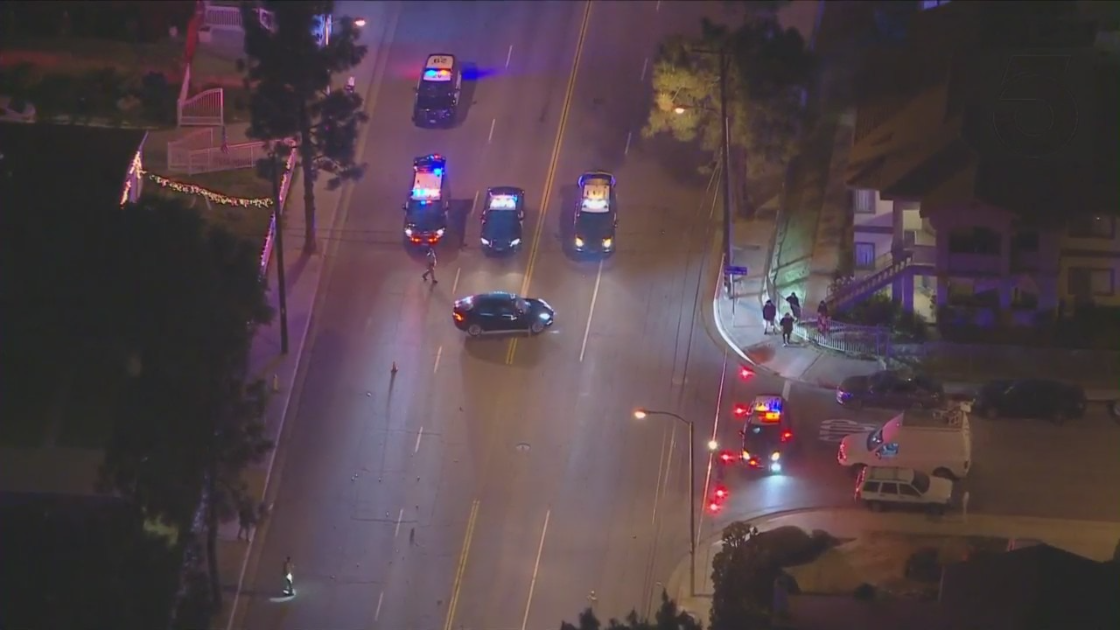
[822, 317]
[431, 269]
[289, 579]
[787, 329]
[794, 305]
[247, 519]
[769, 314]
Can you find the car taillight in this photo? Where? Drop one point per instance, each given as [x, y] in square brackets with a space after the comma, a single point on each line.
[458, 316]
[739, 411]
[787, 436]
[727, 457]
[745, 372]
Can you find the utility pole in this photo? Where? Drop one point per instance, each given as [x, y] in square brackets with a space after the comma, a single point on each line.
[727, 251]
[278, 243]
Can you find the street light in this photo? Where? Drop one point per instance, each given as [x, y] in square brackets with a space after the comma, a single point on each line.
[678, 110]
[712, 445]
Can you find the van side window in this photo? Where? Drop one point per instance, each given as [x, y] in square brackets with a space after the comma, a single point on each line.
[871, 486]
[890, 488]
[909, 491]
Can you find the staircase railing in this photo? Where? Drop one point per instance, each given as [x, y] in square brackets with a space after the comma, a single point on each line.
[861, 286]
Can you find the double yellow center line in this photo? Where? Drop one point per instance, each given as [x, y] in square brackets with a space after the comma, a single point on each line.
[550, 176]
[457, 585]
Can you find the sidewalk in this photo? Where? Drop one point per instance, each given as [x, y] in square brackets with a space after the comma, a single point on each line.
[739, 320]
[304, 273]
[1092, 539]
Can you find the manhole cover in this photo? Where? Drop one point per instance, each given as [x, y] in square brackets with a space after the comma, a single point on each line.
[522, 446]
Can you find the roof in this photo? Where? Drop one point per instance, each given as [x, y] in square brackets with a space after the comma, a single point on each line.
[924, 128]
[1039, 587]
[596, 195]
[65, 168]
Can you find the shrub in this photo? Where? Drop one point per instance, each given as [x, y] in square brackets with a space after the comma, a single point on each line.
[788, 546]
[880, 310]
[55, 94]
[923, 565]
[864, 592]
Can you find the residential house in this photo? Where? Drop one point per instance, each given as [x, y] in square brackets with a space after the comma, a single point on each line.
[1034, 588]
[946, 213]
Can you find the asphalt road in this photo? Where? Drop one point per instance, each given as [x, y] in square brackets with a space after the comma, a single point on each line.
[496, 484]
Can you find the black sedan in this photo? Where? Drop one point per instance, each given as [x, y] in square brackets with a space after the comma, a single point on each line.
[889, 389]
[1030, 398]
[500, 312]
[502, 219]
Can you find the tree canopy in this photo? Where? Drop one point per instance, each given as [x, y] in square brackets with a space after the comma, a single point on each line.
[668, 617]
[767, 69]
[289, 71]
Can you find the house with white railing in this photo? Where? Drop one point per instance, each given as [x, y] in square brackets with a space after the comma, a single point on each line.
[951, 219]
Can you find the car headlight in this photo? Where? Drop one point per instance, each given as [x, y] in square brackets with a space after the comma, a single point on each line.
[775, 467]
[775, 456]
[440, 232]
[485, 242]
[746, 455]
[515, 242]
[607, 242]
[408, 231]
[545, 315]
[579, 242]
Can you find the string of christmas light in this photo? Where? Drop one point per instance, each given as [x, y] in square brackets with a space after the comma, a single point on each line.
[209, 195]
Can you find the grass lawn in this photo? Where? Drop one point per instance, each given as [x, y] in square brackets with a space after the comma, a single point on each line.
[880, 559]
[94, 54]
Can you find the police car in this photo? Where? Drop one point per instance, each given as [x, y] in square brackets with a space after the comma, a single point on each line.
[425, 213]
[437, 95]
[502, 218]
[767, 434]
[597, 213]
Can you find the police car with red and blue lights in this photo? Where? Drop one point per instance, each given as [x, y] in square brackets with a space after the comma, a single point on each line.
[767, 434]
[425, 212]
[597, 213]
[437, 94]
[502, 217]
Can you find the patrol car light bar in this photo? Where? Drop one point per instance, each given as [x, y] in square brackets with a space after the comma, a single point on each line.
[503, 202]
[425, 193]
[433, 74]
[595, 204]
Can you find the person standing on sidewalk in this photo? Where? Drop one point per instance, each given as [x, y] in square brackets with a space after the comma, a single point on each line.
[787, 329]
[794, 305]
[431, 270]
[769, 314]
[289, 578]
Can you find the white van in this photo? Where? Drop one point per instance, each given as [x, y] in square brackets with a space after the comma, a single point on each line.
[937, 442]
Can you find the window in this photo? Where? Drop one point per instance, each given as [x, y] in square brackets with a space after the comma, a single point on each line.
[1025, 241]
[1093, 227]
[975, 240]
[910, 492]
[865, 255]
[871, 486]
[863, 201]
[1085, 282]
[890, 488]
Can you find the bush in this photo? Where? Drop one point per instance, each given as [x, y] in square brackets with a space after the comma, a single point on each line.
[864, 592]
[924, 565]
[55, 95]
[880, 310]
[789, 546]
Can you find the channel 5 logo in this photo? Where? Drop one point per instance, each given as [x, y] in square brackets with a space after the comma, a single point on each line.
[1033, 104]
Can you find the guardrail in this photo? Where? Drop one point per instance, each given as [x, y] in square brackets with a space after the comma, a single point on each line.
[863, 341]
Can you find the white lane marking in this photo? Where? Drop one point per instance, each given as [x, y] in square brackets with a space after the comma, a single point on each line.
[645, 64]
[474, 204]
[400, 517]
[657, 7]
[490, 137]
[715, 432]
[785, 389]
[419, 434]
[629, 136]
[377, 613]
[660, 475]
[439, 353]
[456, 283]
[509, 55]
[591, 312]
[536, 568]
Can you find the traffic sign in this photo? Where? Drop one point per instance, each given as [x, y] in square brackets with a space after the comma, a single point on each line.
[735, 270]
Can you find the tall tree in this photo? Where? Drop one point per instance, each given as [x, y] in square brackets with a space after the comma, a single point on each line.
[668, 617]
[767, 70]
[289, 70]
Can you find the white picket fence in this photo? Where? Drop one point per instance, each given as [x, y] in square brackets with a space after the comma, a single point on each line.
[227, 18]
[201, 151]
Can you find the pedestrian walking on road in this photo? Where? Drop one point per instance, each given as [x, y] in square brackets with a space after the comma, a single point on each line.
[769, 314]
[787, 329]
[431, 270]
[289, 579]
[794, 305]
[248, 517]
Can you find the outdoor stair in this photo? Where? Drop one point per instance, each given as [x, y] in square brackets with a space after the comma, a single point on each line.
[863, 287]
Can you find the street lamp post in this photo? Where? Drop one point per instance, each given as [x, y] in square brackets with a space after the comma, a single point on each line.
[642, 413]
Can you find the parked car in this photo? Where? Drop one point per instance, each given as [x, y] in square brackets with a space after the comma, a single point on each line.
[882, 487]
[1030, 398]
[889, 388]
